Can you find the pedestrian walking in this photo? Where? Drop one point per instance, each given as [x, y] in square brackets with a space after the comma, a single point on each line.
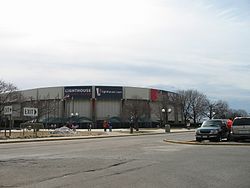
[110, 126]
[188, 124]
[105, 125]
[89, 127]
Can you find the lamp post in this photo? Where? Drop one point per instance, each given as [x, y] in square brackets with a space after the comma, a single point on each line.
[211, 115]
[131, 124]
[165, 118]
[74, 120]
[73, 115]
[169, 110]
[165, 114]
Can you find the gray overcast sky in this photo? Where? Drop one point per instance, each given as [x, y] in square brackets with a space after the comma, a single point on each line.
[166, 44]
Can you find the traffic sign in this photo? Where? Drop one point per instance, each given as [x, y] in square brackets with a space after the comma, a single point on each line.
[30, 111]
[7, 110]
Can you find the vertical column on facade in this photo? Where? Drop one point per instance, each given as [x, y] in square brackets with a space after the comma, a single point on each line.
[93, 111]
[149, 112]
[121, 110]
[71, 106]
[62, 108]
[67, 108]
[121, 107]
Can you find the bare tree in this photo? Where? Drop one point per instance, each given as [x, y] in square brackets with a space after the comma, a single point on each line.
[198, 105]
[174, 99]
[136, 109]
[232, 113]
[183, 99]
[8, 94]
[216, 109]
[47, 108]
[193, 104]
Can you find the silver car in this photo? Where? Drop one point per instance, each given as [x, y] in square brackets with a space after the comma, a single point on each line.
[240, 128]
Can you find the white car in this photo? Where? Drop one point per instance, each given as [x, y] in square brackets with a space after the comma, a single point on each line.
[240, 128]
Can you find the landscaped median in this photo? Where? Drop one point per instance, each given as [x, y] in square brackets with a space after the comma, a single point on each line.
[53, 135]
[193, 142]
[28, 134]
[17, 137]
[64, 133]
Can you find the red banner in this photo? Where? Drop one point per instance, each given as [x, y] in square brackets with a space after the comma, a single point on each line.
[154, 94]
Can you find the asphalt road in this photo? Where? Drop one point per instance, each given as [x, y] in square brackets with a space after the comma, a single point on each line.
[141, 161]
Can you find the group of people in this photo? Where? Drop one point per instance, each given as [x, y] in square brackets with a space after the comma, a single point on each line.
[107, 125]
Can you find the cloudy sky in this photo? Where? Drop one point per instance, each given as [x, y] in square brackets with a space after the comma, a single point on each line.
[165, 44]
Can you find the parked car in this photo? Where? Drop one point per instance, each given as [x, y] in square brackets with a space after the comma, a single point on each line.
[213, 129]
[240, 129]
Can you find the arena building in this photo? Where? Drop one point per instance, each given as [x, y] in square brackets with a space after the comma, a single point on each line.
[94, 104]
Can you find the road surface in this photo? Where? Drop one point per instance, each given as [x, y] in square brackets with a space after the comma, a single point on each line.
[140, 161]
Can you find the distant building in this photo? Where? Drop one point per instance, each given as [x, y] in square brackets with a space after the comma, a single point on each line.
[93, 104]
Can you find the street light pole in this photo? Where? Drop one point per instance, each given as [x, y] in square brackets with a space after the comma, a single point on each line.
[74, 120]
[163, 116]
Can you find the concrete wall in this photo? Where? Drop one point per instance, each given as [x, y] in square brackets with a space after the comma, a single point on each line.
[136, 93]
[16, 110]
[82, 107]
[155, 111]
[43, 93]
[51, 93]
[106, 109]
[31, 93]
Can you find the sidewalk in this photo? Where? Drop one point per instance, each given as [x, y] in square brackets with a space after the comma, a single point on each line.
[114, 133]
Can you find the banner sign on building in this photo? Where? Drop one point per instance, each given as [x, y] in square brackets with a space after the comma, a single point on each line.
[157, 95]
[83, 92]
[107, 92]
[154, 95]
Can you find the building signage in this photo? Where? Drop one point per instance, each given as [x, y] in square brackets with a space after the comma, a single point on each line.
[7, 110]
[161, 95]
[105, 92]
[30, 111]
[154, 95]
[78, 92]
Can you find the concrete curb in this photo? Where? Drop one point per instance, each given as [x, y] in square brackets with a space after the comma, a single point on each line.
[206, 143]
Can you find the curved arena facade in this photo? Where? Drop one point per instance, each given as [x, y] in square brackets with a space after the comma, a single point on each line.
[94, 104]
